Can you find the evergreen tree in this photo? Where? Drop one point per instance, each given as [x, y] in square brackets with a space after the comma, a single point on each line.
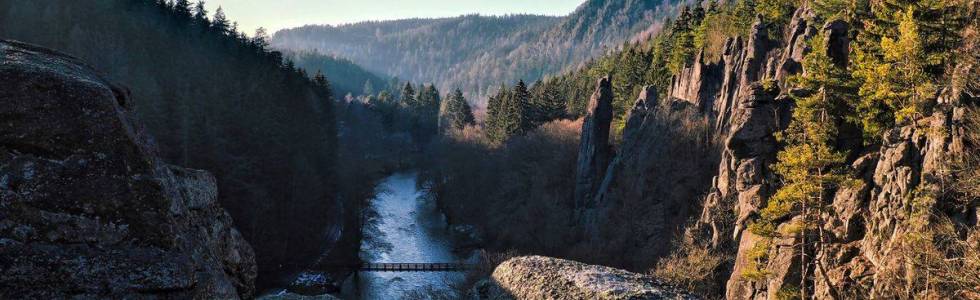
[896, 86]
[220, 23]
[518, 108]
[697, 16]
[261, 38]
[182, 8]
[546, 104]
[744, 14]
[457, 113]
[682, 36]
[408, 95]
[321, 82]
[498, 124]
[812, 163]
[938, 23]
[424, 111]
[201, 15]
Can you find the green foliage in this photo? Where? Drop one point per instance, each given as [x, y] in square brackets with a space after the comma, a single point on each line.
[896, 86]
[456, 112]
[508, 113]
[837, 9]
[776, 13]
[682, 33]
[757, 258]
[546, 104]
[710, 35]
[744, 14]
[811, 162]
[901, 56]
[788, 292]
[407, 98]
[423, 110]
[637, 65]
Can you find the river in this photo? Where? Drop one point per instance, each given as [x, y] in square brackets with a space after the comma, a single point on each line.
[408, 229]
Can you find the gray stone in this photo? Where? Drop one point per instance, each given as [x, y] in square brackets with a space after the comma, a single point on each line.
[89, 208]
[595, 152]
[537, 277]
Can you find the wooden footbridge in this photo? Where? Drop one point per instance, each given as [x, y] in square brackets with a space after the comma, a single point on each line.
[401, 267]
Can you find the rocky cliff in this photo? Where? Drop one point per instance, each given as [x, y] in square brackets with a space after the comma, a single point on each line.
[594, 148]
[865, 221]
[88, 209]
[536, 277]
[746, 97]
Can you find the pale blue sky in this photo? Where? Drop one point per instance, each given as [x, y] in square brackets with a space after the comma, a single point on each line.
[279, 14]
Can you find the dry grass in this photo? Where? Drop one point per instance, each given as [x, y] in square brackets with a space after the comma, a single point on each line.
[936, 263]
[968, 166]
[694, 268]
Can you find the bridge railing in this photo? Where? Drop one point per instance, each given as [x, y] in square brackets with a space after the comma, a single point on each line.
[415, 267]
[402, 267]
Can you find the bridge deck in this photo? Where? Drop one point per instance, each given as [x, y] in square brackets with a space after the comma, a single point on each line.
[400, 267]
[418, 267]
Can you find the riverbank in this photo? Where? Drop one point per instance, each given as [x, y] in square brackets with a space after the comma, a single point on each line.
[405, 227]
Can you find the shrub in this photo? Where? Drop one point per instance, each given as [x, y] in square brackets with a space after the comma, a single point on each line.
[694, 268]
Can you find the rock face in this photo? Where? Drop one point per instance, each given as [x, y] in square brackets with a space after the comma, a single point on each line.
[536, 277]
[870, 220]
[87, 209]
[594, 150]
[745, 97]
[865, 221]
[662, 163]
[698, 84]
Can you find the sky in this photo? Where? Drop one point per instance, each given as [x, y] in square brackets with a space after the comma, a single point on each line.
[280, 14]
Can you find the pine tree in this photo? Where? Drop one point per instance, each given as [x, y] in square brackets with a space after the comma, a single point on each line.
[546, 104]
[220, 23]
[744, 13]
[501, 122]
[682, 36]
[182, 8]
[812, 162]
[323, 85]
[261, 38]
[896, 86]
[201, 15]
[518, 108]
[429, 100]
[938, 22]
[457, 113]
[408, 95]
[424, 111]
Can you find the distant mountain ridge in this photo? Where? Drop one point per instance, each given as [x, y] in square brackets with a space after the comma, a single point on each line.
[477, 53]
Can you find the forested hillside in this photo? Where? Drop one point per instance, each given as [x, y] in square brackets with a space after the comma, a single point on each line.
[477, 53]
[216, 100]
[753, 148]
[346, 77]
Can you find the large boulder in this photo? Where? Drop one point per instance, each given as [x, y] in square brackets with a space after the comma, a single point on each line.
[537, 277]
[88, 209]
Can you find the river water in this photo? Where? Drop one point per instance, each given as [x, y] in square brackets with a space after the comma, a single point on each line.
[408, 229]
